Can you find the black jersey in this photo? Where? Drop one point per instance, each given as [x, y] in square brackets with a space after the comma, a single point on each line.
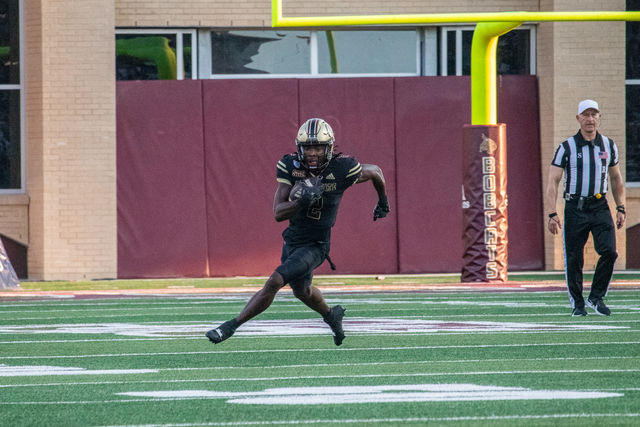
[314, 224]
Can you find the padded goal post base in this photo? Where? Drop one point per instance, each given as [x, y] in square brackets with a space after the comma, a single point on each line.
[484, 203]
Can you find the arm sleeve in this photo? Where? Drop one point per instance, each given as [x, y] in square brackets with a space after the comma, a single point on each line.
[353, 171]
[560, 156]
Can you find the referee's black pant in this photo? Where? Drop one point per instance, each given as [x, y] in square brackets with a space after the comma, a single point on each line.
[579, 221]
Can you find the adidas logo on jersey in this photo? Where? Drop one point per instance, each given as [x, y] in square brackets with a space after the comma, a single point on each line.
[330, 176]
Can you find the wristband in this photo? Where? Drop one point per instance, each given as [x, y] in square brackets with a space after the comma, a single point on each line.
[553, 214]
[620, 208]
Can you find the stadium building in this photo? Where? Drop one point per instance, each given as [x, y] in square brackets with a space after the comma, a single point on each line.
[138, 138]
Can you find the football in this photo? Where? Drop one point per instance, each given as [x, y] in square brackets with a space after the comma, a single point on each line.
[296, 190]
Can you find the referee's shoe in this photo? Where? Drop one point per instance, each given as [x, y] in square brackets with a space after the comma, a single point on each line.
[599, 307]
[578, 311]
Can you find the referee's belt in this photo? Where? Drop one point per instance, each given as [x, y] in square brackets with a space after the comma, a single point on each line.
[588, 199]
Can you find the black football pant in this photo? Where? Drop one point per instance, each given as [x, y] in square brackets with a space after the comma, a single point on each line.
[298, 263]
[594, 218]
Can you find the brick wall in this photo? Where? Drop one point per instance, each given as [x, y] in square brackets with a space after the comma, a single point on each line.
[257, 13]
[363, 7]
[633, 207]
[14, 217]
[70, 116]
[579, 60]
[193, 13]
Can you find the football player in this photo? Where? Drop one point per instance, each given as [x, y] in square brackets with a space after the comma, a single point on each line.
[311, 183]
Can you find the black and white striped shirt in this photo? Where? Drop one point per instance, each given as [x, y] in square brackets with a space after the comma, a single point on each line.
[586, 164]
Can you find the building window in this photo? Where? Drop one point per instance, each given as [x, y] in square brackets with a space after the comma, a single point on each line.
[633, 97]
[368, 52]
[155, 55]
[260, 52]
[246, 53]
[323, 53]
[515, 53]
[11, 169]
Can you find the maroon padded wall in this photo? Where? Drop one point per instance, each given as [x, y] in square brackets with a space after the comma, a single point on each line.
[161, 209]
[633, 247]
[361, 113]
[430, 113]
[518, 108]
[249, 125]
[196, 172]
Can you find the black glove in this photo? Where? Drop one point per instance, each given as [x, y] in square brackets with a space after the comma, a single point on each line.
[312, 192]
[382, 208]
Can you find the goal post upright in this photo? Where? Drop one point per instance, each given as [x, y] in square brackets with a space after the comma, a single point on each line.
[481, 109]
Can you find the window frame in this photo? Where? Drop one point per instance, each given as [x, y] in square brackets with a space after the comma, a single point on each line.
[630, 82]
[630, 5]
[179, 33]
[458, 32]
[22, 109]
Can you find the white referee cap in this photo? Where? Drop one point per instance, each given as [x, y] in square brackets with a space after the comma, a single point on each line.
[586, 104]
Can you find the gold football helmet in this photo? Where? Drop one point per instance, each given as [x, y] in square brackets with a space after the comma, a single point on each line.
[315, 132]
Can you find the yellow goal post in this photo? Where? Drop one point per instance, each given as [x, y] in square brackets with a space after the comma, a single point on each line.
[489, 27]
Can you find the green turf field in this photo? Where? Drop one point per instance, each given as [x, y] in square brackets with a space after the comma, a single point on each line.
[326, 281]
[410, 358]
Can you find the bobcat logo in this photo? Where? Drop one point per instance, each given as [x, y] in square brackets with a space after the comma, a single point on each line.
[488, 145]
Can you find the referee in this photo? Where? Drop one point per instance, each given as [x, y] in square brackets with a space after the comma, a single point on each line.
[587, 160]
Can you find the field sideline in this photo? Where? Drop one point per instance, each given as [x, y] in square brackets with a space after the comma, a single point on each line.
[329, 282]
[419, 351]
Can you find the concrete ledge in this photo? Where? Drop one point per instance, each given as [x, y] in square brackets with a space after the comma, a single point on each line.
[14, 199]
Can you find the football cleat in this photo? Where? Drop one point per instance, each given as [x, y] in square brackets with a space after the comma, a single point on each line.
[222, 332]
[334, 320]
[578, 311]
[599, 307]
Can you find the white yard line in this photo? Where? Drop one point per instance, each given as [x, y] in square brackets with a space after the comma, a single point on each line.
[457, 315]
[368, 376]
[336, 365]
[430, 374]
[199, 337]
[333, 349]
[395, 420]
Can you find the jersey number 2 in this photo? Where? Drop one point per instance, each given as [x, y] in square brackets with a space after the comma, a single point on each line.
[315, 210]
